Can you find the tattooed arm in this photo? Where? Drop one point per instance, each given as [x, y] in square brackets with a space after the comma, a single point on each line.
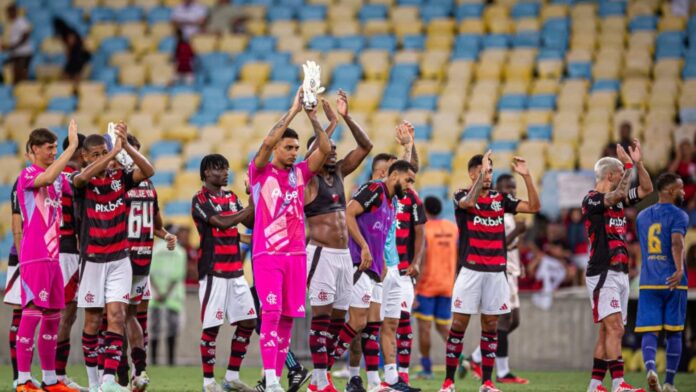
[621, 192]
[472, 196]
[263, 156]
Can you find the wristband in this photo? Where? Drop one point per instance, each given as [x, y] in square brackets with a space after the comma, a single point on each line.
[628, 166]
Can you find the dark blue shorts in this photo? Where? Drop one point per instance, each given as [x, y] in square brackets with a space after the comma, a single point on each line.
[438, 309]
[661, 310]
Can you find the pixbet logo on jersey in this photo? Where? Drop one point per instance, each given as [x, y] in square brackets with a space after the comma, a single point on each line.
[110, 207]
[289, 196]
[489, 222]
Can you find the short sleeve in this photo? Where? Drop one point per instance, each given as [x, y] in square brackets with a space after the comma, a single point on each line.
[78, 193]
[255, 172]
[201, 210]
[510, 203]
[633, 197]
[593, 203]
[14, 200]
[65, 185]
[680, 223]
[305, 171]
[458, 196]
[369, 195]
[27, 179]
[418, 210]
[155, 204]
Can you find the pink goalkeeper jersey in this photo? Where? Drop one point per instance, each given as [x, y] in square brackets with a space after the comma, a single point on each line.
[279, 215]
[42, 213]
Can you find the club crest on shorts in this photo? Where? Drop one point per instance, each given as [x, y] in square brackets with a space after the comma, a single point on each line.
[271, 299]
[89, 298]
[43, 295]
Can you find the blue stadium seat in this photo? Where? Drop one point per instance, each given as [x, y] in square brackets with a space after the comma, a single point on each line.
[111, 45]
[247, 57]
[423, 132]
[347, 74]
[102, 14]
[493, 41]
[394, 102]
[433, 191]
[411, 2]
[526, 39]
[323, 43]
[159, 14]
[55, 5]
[182, 89]
[403, 72]
[152, 89]
[424, 102]
[129, 14]
[178, 207]
[512, 102]
[8, 147]
[550, 54]
[167, 44]
[398, 89]
[606, 85]
[288, 73]
[354, 43]
[611, 8]
[262, 44]
[430, 12]
[503, 145]
[469, 11]
[62, 104]
[245, 104]
[542, 101]
[7, 104]
[384, 42]
[280, 13]
[163, 178]
[277, 103]
[5, 91]
[539, 132]
[372, 11]
[193, 163]
[440, 160]
[111, 91]
[108, 76]
[291, 3]
[643, 23]
[525, 10]
[477, 132]
[312, 12]
[579, 70]
[206, 117]
[166, 147]
[414, 42]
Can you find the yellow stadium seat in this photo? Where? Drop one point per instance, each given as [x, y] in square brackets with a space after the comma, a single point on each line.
[214, 135]
[507, 131]
[583, 10]
[184, 178]
[551, 69]
[375, 64]
[132, 75]
[439, 41]
[85, 121]
[122, 59]
[545, 86]
[377, 27]
[561, 156]
[243, 89]
[554, 11]
[283, 28]
[204, 43]
[59, 89]
[256, 27]
[161, 30]
[341, 12]
[471, 26]
[300, 58]
[660, 117]
[433, 178]
[263, 121]
[537, 117]
[604, 69]
[345, 27]
[132, 30]
[171, 119]
[671, 23]
[85, 4]
[367, 96]
[183, 133]
[515, 87]
[233, 43]
[489, 71]
[596, 132]
[186, 103]
[88, 87]
[49, 120]
[156, 59]
[404, 14]
[161, 75]
[233, 120]
[144, 44]
[441, 26]
[526, 24]
[92, 103]
[642, 40]
[407, 56]
[460, 70]
[425, 87]
[451, 102]
[668, 68]
[52, 45]
[123, 102]
[312, 28]
[197, 148]
[602, 99]
[657, 157]
[615, 24]
[275, 89]
[168, 163]
[402, 29]
[101, 30]
[589, 153]
[637, 63]
[18, 123]
[631, 116]
[495, 11]
[293, 43]
[140, 122]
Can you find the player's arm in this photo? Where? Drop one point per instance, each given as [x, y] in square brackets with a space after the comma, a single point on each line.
[621, 192]
[645, 183]
[415, 161]
[80, 180]
[143, 168]
[678, 256]
[17, 231]
[57, 167]
[162, 233]
[356, 156]
[403, 137]
[353, 210]
[316, 160]
[520, 228]
[333, 121]
[225, 221]
[469, 200]
[419, 248]
[263, 155]
[533, 205]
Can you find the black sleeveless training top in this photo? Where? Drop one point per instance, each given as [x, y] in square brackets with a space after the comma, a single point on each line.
[329, 198]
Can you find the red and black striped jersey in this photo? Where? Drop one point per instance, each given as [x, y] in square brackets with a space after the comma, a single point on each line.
[68, 232]
[103, 216]
[409, 214]
[13, 260]
[482, 230]
[219, 253]
[606, 228]
[142, 206]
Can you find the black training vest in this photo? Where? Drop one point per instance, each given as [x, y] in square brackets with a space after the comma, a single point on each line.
[329, 198]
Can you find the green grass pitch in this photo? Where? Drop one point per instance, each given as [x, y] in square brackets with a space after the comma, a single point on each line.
[189, 379]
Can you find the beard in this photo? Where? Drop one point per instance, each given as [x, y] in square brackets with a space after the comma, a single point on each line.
[679, 201]
[399, 191]
[330, 168]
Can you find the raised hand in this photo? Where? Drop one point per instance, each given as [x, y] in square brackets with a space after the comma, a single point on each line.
[72, 133]
[330, 114]
[403, 137]
[297, 102]
[622, 155]
[342, 103]
[519, 166]
[486, 164]
[635, 151]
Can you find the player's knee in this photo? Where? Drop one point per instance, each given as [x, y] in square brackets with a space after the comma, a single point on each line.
[250, 324]
[357, 324]
[614, 329]
[458, 324]
[117, 318]
[92, 322]
[489, 325]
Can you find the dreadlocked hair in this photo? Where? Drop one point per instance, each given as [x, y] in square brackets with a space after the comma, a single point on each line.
[213, 161]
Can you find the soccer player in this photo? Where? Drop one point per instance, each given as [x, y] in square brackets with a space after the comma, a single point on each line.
[370, 216]
[330, 276]
[144, 222]
[434, 288]
[280, 258]
[481, 285]
[507, 323]
[663, 286]
[223, 291]
[39, 191]
[106, 275]
[12, 296]
[69, 265]
[607, 272]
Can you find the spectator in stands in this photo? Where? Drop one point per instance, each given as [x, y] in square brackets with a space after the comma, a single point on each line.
[184, 58]
[184, 236]
[226, 18]
[190, 17]
[626, 135]
[19, 47]
[577, 242]
[550, 265]
[685, 166]
[168, 271]
[77, 56]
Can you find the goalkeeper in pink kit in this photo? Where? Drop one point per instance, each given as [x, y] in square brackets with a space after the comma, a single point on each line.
[280, 261]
